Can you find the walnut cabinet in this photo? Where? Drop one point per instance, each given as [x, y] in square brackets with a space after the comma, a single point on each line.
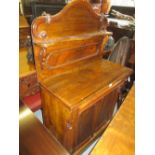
[79, 89]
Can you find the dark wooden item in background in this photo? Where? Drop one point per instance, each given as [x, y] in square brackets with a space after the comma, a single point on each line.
[24, 31]
[27, 4]
[28, 84]
[119, 32]
[51, 8]
[34, 138]
[78, 88]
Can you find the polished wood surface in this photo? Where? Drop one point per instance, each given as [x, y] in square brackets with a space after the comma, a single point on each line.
[75, 34]
[94, 76]
[119, 137]
[25, 68]
[34, 138]
[78, 88]
[23, 22]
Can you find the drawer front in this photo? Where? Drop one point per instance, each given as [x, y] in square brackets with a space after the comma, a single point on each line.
[22, 43]
[28, 85]
[23, 34]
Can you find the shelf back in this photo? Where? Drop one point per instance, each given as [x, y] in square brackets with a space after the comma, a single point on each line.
[73, 35]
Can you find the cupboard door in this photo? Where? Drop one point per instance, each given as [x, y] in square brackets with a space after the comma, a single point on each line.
[85, 124]
[105, 108]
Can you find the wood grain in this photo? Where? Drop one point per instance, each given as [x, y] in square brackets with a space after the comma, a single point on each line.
[119, 137]
[25, 68]
[75, 34]
[90, 77]
[34, 138]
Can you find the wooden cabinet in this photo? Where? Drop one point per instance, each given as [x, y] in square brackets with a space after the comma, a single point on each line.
[79, 89]
[75, 124]
[24, 31]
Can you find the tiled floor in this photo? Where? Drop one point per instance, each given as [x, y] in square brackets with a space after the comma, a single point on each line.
[38, 114]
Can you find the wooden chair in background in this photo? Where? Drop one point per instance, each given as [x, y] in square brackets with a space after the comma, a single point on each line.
[120, 54]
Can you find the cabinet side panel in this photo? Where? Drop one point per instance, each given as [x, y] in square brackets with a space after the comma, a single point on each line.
[56, 116]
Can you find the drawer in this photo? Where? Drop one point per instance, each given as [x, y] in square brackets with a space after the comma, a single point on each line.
[28, 85]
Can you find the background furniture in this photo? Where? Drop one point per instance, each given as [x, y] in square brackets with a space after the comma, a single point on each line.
[39, 8]
[29, 91]
[27, 4]
[28, 9]
[79, 89]
[119, 137]
[120, 54]
[34, 138]
[28, 85]
[120, 28]
[121, 51]
[24, 31]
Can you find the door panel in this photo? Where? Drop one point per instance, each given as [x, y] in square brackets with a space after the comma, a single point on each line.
[85, 124]
[105, 108]
[95, 116]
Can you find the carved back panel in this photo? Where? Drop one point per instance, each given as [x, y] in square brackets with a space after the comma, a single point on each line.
[74, 34]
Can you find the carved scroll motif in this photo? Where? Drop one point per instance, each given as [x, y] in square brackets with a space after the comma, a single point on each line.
[42, 57]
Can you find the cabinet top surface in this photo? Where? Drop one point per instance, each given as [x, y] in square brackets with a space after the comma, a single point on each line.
[119, 136]
[92, 77]
[23, 22]
[24, 67]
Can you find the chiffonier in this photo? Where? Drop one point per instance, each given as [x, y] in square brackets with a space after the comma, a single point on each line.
[79, 89]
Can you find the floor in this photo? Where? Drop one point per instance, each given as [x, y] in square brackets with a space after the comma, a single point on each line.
[38, 114]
